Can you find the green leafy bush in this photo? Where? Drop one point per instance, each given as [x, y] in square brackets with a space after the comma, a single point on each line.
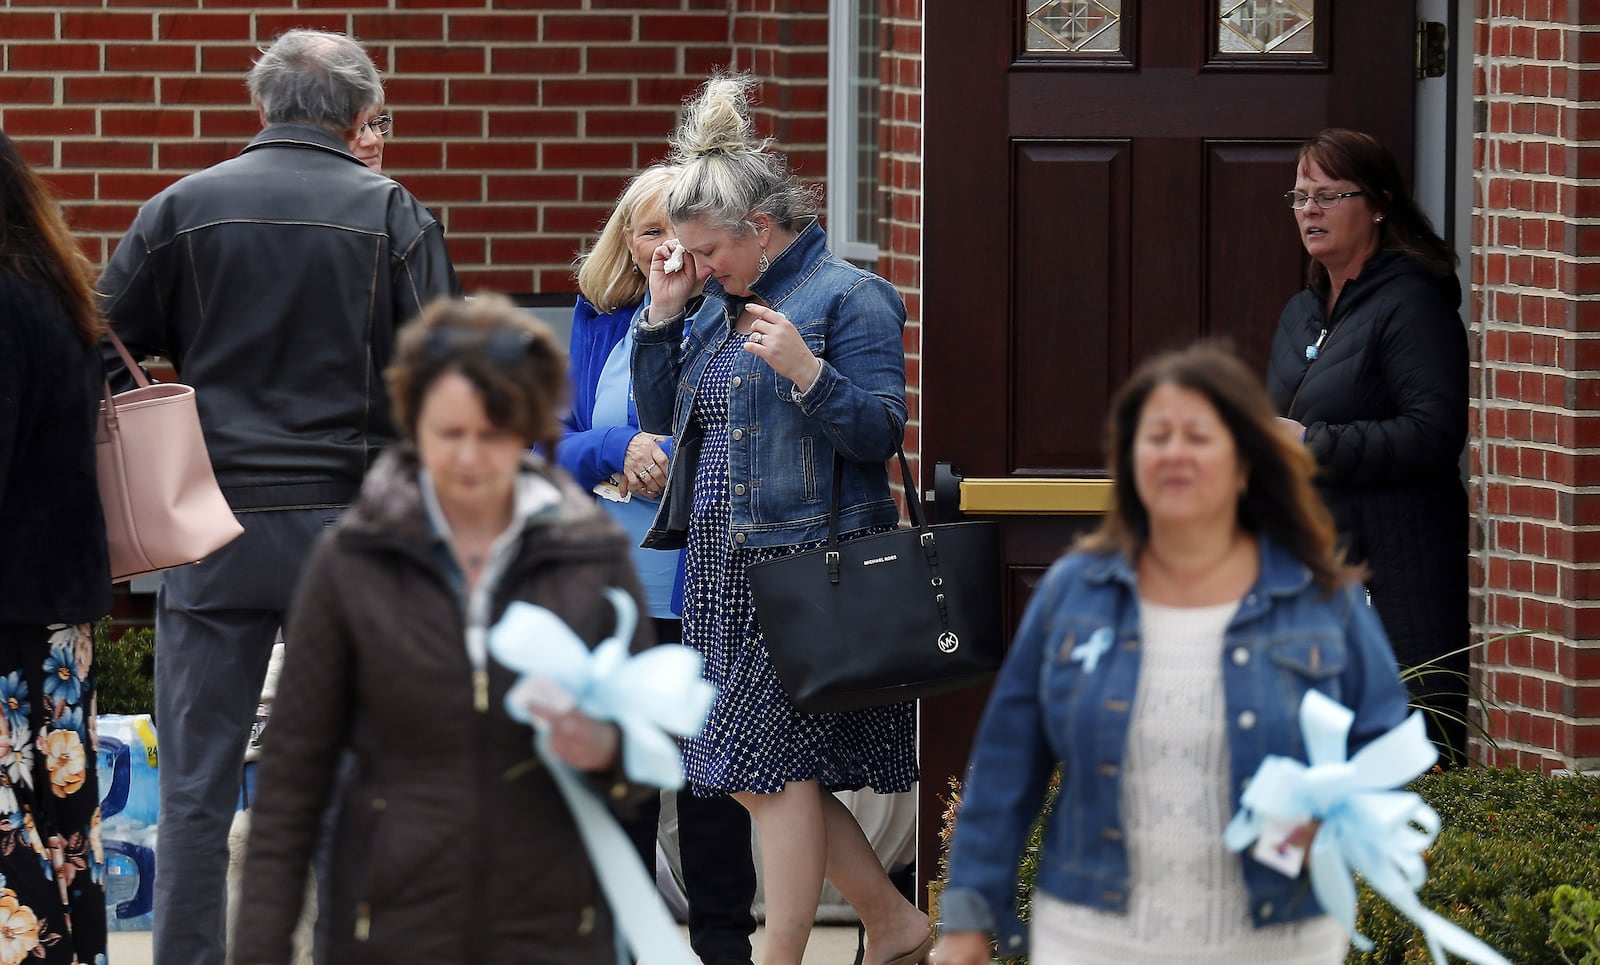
[1508, 840]
[1508, 843]
[125, 670]
[1577, 925]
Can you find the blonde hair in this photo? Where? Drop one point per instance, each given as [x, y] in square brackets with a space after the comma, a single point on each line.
[605, 272]
[728, 174]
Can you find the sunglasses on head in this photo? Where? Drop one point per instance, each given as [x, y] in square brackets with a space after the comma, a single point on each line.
[505, 345]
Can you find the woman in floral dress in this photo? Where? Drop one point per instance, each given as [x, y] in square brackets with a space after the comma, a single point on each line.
[55, 580]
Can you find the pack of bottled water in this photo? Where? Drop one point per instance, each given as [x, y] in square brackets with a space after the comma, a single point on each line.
[129, 801]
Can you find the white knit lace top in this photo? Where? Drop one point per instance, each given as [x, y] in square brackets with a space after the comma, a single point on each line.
[1187, 904]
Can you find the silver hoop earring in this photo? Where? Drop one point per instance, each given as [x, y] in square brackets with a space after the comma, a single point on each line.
[763, 264]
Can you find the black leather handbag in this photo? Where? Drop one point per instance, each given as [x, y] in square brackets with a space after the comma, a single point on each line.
[883, 618]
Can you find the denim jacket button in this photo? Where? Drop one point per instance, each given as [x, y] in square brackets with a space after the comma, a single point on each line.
[1117, 706]
[1111, 834]
[739, 538]
[737, 434]
[1241, 656]
[737, 381]
[1109, 770]
[1266, 910]
[1015, 941]
[1247, 720]
[738, 490]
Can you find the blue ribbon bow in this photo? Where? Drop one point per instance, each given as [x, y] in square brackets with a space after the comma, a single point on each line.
[649, 696]
[1367, 827]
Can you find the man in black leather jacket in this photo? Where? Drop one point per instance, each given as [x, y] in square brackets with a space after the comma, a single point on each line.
[274, 282]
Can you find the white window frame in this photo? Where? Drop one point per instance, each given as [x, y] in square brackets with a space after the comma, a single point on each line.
[843, 143]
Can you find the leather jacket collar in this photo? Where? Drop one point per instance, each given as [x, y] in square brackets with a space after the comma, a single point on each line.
[300, 135]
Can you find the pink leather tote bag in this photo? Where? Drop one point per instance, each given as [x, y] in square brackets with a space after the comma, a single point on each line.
[161, 501]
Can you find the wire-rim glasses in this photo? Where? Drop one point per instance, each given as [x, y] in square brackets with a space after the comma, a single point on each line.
[1324, 199]
[380, 124]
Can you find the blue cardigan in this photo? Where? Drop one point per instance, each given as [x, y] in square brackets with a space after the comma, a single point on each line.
[592, 453]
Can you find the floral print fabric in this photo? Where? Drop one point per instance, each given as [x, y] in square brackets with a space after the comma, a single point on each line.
[52, 889]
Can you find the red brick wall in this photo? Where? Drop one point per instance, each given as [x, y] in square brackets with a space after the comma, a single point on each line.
[900, 174]
[1535, 447]
[516, 121]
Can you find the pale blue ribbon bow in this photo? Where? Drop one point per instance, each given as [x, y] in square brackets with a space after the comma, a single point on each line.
[1367, 827]
[650, 696]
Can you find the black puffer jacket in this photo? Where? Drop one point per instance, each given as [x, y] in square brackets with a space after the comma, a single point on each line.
[1384, 404]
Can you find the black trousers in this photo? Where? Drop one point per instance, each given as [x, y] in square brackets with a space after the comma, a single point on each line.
[719, 873]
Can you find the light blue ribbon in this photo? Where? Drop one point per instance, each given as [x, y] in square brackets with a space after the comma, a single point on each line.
[1091, 650]
[650, 696]
[1367, 827]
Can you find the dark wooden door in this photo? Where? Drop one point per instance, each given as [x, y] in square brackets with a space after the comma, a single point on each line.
[1103, 180]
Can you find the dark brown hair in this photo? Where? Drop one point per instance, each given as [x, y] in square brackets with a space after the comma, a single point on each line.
[513, 361]
[1353, 156]
[36, 245]
[1279, 499]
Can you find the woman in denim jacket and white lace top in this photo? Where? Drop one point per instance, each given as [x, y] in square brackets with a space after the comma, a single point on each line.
[1159, 664]
[792, 355]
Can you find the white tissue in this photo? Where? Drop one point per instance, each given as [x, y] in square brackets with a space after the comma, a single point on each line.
[675, 260]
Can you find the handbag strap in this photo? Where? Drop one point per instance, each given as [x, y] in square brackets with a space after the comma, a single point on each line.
[109, 410]
[919, 522]
[127, 359]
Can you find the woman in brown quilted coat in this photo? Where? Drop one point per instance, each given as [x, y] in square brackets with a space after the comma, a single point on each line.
[448, 850]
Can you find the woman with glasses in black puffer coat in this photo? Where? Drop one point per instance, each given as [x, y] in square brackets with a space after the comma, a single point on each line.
[1369, 369]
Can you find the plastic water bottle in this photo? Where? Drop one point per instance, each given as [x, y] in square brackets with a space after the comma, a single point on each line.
[129, 791]
[130, 879]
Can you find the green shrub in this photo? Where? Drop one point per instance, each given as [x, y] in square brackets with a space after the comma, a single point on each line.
[124, 670]
[1577, 925]
[1509, 841]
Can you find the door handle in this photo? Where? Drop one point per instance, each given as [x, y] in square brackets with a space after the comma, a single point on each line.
[1012, 496]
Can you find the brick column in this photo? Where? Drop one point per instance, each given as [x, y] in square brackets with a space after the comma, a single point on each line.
[1535, 447]
[900, 175]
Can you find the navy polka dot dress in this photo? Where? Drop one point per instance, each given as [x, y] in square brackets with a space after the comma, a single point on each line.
[755, 739]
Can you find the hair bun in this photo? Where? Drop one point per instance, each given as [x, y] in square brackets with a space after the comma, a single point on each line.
[716, 119]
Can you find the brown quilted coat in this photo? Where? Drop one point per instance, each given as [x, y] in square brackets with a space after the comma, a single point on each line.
[439, 857]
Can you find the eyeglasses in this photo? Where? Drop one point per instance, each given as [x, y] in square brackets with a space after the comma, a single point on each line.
[1324, 199]
[380, 125]
[504, 345]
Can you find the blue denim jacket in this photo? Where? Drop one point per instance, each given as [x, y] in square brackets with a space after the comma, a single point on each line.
[780, 462]
[1286, 638]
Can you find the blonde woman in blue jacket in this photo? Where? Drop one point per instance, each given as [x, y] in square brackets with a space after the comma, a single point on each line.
[1158, 664]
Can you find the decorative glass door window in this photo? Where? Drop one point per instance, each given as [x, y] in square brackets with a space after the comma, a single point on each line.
[1265, 27]
[1074, 27]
